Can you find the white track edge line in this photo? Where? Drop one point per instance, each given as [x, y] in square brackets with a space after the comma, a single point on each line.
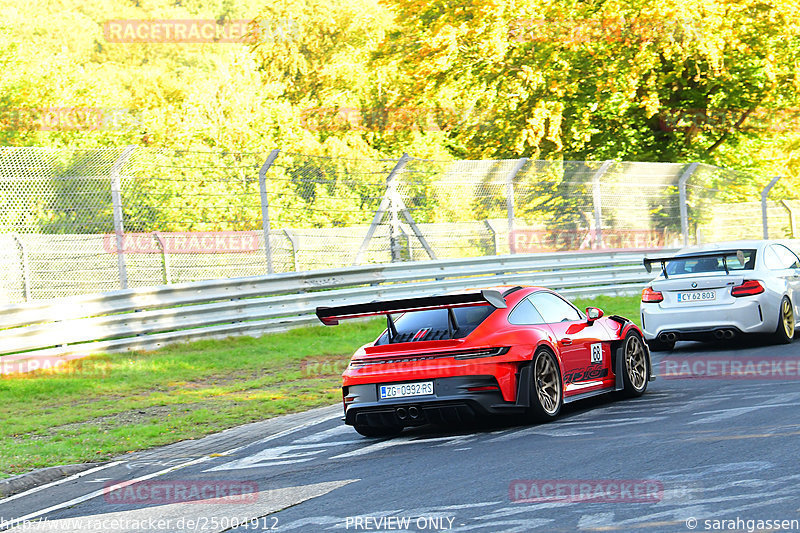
[11, 523]
[60, 481]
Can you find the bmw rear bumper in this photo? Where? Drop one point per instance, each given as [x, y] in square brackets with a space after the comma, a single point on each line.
[746, 315]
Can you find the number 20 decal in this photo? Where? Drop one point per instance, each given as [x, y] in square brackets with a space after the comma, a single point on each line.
[597, 353]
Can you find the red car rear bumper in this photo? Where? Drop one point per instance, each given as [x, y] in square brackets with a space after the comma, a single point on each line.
[462, 390]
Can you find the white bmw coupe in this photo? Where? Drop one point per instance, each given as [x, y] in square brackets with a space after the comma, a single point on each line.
[722, 290]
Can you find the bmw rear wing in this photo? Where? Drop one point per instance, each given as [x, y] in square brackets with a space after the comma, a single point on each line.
[330, 316]
[724, 254]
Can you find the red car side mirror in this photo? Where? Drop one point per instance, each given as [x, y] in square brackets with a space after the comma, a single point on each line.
[593, 313]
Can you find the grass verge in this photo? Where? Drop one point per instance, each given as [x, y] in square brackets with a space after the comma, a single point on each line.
[100, 407]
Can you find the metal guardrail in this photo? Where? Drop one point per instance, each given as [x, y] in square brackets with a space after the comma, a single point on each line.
[148, 318]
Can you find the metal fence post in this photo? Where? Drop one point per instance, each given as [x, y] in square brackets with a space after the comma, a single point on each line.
[495, 240]
[166, 268]
[293, 243]
[596, 200]
[387, 202]
[402, 242]
[119, 226]
[409, 245]
[792, 218]
[510, 201]
[394, 219]
[262, 186]
[764, 194]
[23, 256]
[418, 232]
[682, 199]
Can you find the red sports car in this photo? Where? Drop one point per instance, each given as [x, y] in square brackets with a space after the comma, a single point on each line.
[452, 358]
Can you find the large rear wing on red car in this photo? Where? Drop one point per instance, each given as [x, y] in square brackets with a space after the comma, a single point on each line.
[330, 316]
[724, 254]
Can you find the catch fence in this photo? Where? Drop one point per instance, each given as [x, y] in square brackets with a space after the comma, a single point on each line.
[86, 221]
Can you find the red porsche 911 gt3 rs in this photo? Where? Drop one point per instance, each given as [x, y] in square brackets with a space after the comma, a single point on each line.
[452, 358]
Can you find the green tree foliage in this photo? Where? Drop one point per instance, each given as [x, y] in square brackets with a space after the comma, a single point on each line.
[666, 81]
[319, 50]
[370, 79]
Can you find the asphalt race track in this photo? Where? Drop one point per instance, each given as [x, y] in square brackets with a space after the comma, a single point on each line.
[696, 452]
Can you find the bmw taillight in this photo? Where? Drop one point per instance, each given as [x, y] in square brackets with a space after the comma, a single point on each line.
[651, 296]
[748, 288]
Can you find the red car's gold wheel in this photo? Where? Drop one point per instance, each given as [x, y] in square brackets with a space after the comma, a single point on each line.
[635, 362]
[548, 388]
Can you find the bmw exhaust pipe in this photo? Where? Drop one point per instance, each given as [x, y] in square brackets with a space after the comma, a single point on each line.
[667, 337]
[719, 334]
[413, 412]
[401, 413]
[729, 334]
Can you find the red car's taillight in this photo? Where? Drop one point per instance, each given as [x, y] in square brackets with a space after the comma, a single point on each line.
[651, 296]
[482, 389]
[748, 288]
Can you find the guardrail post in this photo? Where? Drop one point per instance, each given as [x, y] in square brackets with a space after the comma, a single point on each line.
[764, 194]
[293, 243]
[262, 187]
[510, 201]
[23, 257]
[682, 199]
[792, 218]
[596, 200]
[166, 269]
[116, 201]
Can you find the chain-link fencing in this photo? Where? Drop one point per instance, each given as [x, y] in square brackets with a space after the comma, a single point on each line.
[84, 221]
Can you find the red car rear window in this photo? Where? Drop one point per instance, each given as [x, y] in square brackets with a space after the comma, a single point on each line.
[411, 326]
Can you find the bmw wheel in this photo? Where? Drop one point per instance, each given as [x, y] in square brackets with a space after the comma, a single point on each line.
[784, 334]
